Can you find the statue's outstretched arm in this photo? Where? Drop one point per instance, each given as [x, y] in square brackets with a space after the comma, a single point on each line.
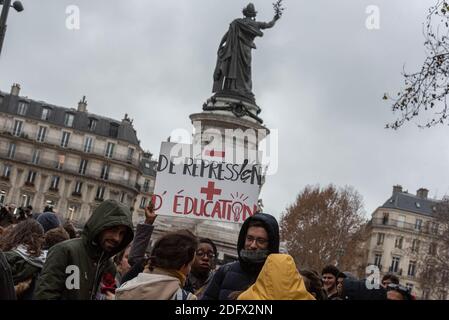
[267, 25]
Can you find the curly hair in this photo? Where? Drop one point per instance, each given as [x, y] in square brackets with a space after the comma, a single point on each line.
[28, 233]
[173, 250]
[54, 236]
[393, 278]
[333, 270]
[211, 243]
[68, 226]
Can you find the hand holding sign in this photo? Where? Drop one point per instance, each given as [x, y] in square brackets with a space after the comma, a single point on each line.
[150, 215]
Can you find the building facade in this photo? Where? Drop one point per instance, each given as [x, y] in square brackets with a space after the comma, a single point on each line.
[401, 233]
[72, 159]
[68, 158]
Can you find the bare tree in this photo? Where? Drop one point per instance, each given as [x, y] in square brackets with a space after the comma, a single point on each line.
[427, 89]
[433, 272]
[324, 226]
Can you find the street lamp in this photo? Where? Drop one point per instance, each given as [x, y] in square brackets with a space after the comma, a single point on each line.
[17, 5]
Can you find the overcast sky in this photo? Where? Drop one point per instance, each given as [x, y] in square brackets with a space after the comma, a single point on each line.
[318, 76]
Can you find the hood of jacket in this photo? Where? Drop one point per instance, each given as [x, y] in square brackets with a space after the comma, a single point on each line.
[108, 214]
[278, 280]
[272, 228]
[148, 286]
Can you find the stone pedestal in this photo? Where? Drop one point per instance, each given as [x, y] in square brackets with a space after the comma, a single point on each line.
[222, 115]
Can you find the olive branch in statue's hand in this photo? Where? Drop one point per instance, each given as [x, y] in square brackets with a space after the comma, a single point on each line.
[278, 9]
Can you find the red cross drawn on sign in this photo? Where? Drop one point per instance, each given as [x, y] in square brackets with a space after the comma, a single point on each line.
[214, 153]
[210, 191]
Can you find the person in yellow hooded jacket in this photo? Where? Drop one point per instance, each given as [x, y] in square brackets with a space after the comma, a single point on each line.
[278, 280]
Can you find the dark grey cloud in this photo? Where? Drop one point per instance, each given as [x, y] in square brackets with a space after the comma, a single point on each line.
[319, 76]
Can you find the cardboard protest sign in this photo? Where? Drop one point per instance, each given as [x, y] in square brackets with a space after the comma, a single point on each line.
[203, 186]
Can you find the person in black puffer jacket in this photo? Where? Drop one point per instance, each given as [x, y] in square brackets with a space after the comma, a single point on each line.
[258, 237]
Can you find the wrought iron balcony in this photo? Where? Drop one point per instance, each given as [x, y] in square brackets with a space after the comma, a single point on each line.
[423, 229]
[68, 168]
[77, 147]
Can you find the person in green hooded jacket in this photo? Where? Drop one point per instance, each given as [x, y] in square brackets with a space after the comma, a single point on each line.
[82, 269]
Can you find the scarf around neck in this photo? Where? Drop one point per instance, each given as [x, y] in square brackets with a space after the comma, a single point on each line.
[254, 256]
[38, 261]
[173, 273]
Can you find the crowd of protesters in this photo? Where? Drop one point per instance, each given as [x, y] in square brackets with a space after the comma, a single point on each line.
[43, 258]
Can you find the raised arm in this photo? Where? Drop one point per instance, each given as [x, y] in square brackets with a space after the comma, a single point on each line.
[142, 237]
[268, 25]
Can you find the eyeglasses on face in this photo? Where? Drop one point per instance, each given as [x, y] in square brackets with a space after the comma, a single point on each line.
[398, 287]
[259, 241]
[201, 254]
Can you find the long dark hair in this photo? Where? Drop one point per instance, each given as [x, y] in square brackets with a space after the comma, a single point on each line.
[28, 233]
[173, 250]
[313, 284]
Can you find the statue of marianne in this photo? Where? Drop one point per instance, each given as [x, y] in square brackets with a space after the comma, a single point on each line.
[233, 70]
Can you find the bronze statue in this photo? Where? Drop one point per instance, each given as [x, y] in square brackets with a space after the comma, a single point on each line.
[233, 70]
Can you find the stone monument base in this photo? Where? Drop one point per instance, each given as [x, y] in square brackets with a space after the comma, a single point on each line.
[238, 106]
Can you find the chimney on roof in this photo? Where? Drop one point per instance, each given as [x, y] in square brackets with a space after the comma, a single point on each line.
[397, 189]
[15, 89]
[82, 105]
[422, 193]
